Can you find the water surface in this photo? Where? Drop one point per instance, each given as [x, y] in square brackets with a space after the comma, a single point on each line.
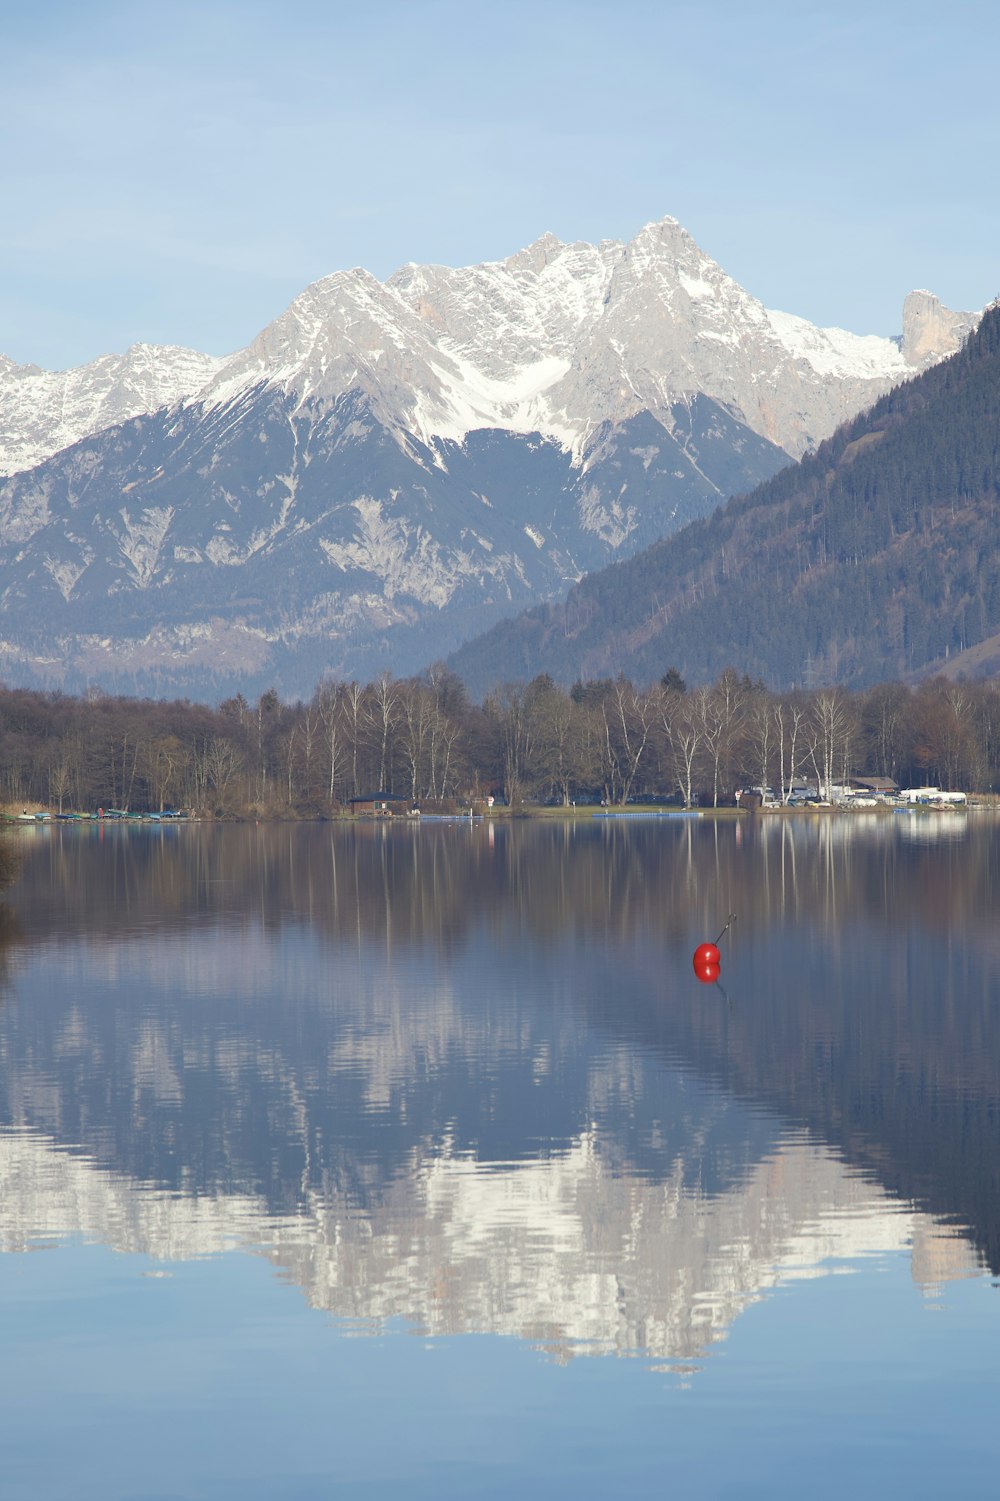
[383, 1159]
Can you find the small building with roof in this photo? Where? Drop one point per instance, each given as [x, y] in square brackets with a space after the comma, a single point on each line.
[379, 805]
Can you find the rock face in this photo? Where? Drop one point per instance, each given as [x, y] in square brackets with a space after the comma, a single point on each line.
[390, 467]
[930, 330]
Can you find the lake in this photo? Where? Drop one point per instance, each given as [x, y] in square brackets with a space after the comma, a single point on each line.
[414, 1160]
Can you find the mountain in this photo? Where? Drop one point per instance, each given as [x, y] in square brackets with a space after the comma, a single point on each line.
[43, 411]
[390, 467]
[874, 558]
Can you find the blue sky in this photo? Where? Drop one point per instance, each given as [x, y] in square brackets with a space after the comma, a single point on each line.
[176, 173]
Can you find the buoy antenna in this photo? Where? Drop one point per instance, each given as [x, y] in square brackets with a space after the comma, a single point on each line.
[731, 919]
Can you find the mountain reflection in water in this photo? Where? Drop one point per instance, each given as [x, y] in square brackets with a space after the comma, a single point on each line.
[463, 1075]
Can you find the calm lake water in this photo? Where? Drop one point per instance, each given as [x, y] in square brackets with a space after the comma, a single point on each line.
[416, 1162]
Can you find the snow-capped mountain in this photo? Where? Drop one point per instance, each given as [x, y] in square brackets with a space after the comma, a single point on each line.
[562, 339]
[43, 411]
[390, 466]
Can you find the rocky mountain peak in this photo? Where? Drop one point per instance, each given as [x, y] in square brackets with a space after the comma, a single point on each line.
[593, 335]
[559, 338]
[930, 330]
[536, 256]
[389, 466]
[664, 237]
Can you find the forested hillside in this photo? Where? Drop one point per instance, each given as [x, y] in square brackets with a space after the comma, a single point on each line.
[873, 558]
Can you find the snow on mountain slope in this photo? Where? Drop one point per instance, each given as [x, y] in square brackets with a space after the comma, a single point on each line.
[646, 324]
[43, 411]
[350, 332]
[557, 339]
[389, 467]
[272, 539]
[564, 339]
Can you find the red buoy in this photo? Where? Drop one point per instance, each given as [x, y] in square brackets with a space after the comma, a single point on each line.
[706, 958]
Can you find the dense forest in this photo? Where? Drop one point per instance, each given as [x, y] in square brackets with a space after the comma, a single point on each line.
[422, 740]
[876, 557]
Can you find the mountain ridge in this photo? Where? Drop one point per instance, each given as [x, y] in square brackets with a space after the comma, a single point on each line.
[390, 466]
[510, 331]
[874, 557]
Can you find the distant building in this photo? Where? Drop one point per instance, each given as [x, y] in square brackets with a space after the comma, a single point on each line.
[880, 786]
[379, 804]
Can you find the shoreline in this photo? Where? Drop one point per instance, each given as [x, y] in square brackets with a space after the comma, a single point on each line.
[982, 803]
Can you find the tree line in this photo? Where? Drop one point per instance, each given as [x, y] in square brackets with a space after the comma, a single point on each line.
[423, 741]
